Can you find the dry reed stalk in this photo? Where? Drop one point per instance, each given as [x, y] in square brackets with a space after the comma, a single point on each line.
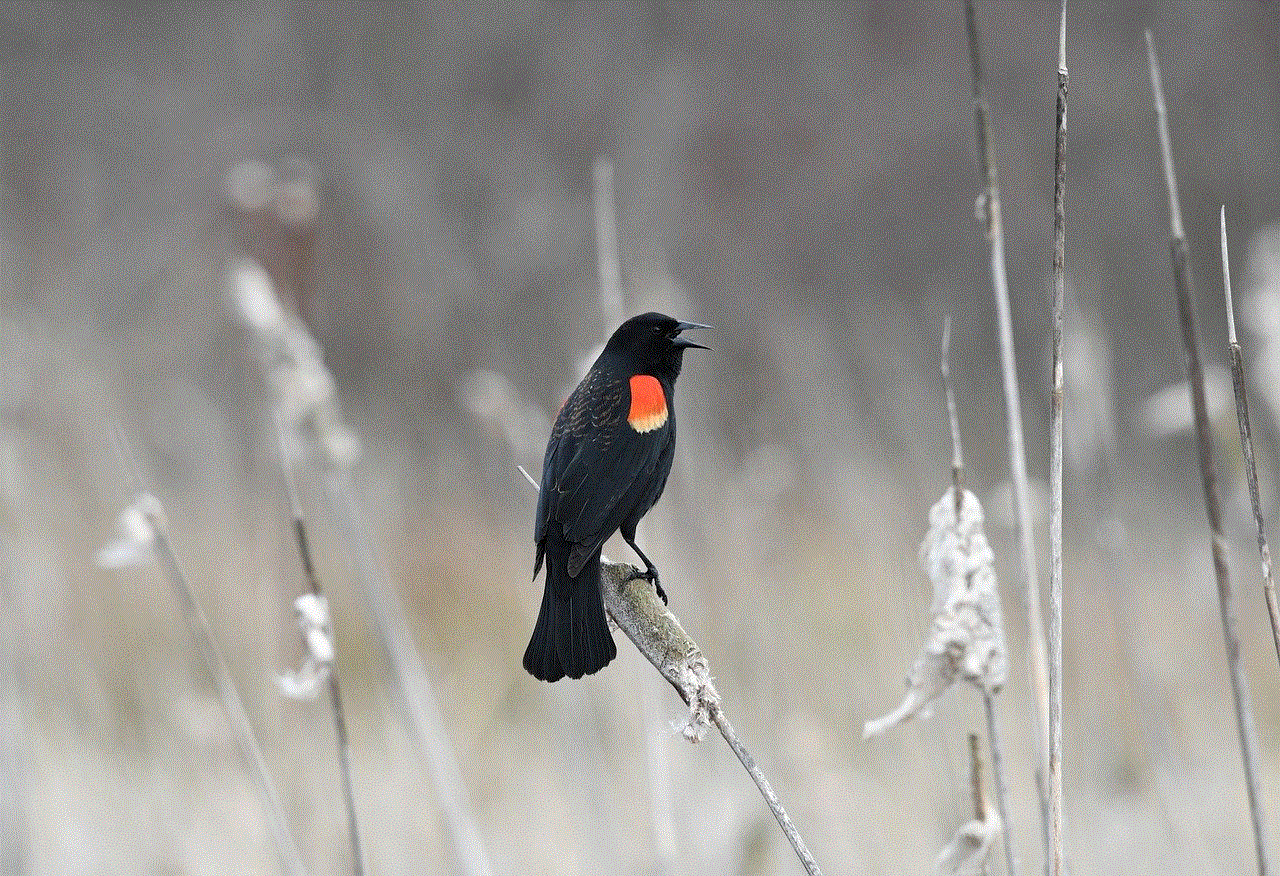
[966, 633]
[988, 697]
[1246, 442]
[318, 637]
[413, 682]
[304, 398]
[1204, 442]
[1055, 464]
[144, 534]
[15, 651]
[969, 849]
[607, 261]
[658, 635]
[994, 229]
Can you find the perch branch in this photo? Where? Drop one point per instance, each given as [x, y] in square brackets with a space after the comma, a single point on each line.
[657, 633]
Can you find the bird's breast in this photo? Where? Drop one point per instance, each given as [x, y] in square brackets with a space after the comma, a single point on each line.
[648, 409]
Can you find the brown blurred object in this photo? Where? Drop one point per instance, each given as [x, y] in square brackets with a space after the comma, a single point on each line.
[273, 216]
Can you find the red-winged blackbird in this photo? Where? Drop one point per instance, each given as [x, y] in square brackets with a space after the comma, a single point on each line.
[606, 464]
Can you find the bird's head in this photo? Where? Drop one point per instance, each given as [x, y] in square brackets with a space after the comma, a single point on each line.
[652, 343]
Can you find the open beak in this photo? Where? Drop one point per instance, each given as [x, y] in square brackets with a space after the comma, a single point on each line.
[685, 342]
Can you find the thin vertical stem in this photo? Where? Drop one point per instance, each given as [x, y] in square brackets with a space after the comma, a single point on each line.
[997, 770]
[1246, 442]
[359, 863]
[1055, 464]
[412, 683]
[957, 453]
[994, 229]
[957, 480]
[15, 654]
[1204, 441]
[607, 262]
[975, 778]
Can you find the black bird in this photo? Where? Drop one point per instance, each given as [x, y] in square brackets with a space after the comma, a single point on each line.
[606, 464]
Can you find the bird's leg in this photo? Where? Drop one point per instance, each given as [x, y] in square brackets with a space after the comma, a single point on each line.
[651, 571]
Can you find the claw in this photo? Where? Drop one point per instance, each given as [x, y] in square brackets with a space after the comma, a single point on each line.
[650, 574]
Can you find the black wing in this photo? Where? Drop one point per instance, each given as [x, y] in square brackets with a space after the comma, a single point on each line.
[599, 472]
[573, 424]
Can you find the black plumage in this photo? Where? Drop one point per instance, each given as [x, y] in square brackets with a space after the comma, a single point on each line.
[605, 466]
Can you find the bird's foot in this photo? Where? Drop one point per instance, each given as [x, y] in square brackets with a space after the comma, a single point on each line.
[650, 574]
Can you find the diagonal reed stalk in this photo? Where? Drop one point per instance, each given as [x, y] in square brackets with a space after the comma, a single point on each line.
[360, 864]
[1204, 442]
[1246, 442]
[210, 656]
[1055, 463]
[994, 228]
[658, 635]
[216, 666]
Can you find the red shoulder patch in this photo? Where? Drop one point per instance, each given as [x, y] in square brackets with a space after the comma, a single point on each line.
[648, 404]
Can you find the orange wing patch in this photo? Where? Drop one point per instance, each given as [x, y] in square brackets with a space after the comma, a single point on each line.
[648, 404]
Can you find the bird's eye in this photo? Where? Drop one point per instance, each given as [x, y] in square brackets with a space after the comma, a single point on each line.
[657, 329]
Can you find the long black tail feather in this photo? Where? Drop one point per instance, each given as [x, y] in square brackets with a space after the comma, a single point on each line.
[571, 638]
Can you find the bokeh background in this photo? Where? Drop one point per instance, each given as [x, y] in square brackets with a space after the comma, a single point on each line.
[419, 182]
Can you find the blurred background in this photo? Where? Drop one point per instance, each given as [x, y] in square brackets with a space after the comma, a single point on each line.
[420, 183]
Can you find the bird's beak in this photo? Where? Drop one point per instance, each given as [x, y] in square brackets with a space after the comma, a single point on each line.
[685, 342]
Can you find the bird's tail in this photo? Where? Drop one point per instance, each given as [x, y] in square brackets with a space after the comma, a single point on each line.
[571, 637]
